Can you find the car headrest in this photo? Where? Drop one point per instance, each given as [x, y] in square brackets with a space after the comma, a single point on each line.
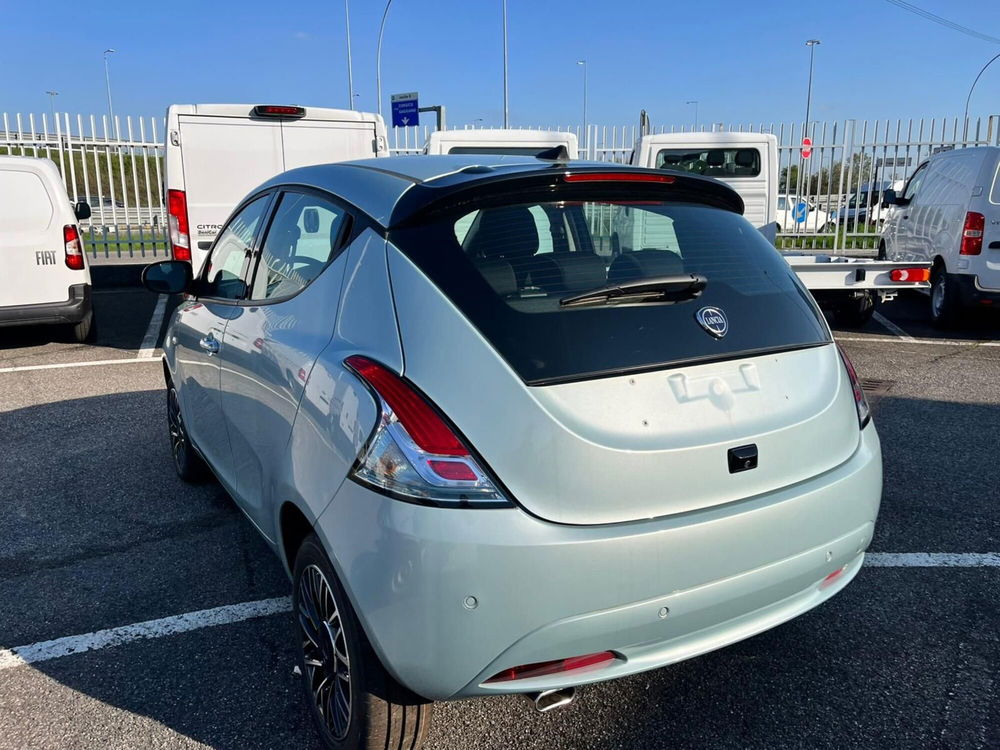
[505, 232]
[643, 264]
[746, 157]
[716, 158]
[310, 220]
[499, 274]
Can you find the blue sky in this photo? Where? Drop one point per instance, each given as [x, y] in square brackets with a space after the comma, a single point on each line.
[744, 61]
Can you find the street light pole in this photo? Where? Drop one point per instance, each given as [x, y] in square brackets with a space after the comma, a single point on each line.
[695, 103]
[506, 100]
[107, 79]
[965, 131]
[52, 104]
[350, 66]
[378, 57]
[586, 128]
[811, 44]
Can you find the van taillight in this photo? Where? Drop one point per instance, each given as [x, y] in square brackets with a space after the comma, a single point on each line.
[177, 223]
[972, 234]
[278, 110]
[74, 250]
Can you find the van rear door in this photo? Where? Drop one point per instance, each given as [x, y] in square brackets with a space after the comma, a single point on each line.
[320, 141]
[32, 250]
[223, 158]
[989, 266]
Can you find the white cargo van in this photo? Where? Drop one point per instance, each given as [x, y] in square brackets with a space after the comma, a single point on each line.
[747, 162]
[502, 141]
[44, 278]
[217, 153]
[949, 215]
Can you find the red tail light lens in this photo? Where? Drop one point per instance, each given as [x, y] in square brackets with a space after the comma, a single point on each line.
[177, 223]
[910, 274]
[414, 451]
[278, 110]
[589, 662]
[972, 234]
[620, 177]
[860, 401]
[73, 246]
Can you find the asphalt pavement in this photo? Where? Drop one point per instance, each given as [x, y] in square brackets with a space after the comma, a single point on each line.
[98, 533]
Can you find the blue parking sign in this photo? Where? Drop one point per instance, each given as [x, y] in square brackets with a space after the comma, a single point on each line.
[405, 110]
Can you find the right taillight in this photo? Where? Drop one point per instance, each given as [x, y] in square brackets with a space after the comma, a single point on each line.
[972, 234]
[860, 401]
[177, 223]
[413, 451]
[73, 248]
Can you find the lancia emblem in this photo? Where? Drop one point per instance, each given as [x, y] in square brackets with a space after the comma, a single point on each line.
[713, 320]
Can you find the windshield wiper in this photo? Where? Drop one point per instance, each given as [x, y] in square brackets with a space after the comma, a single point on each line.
[678, 288]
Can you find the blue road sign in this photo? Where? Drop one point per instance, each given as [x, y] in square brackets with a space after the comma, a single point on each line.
[800, 212]
[405, 108]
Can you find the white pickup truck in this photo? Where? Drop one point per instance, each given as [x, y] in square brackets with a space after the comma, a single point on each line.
[748, 163]
[502, 141]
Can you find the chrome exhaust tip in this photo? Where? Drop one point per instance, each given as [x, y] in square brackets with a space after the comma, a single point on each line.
[550, 700]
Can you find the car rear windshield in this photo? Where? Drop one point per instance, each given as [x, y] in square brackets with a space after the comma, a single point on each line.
[510, 267]
[711, 162]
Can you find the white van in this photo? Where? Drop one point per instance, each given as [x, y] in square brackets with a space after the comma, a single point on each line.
[747, 162]
[949, 215]
[44, 277]
[217, 153]
[502, 141]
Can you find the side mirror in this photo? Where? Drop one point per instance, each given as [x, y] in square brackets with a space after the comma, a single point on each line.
[167, 277]
[889, 198]
[82, 210]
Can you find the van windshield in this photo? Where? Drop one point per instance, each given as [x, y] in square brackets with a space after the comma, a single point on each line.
[510, 266]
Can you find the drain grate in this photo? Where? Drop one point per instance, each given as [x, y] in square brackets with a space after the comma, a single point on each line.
[876, 387]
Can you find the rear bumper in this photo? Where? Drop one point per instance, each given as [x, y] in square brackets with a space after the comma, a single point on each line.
[972, 294]
[450, 597]
[73, 310]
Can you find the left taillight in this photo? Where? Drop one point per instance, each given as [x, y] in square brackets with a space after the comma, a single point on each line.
[860, 401]
[74, 248]
[972, 234]
[177, 224]
[414, 452]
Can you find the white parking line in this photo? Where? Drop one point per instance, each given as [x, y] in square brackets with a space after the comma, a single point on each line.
[933, 559]
[153, 330]
[230, 613]
[892, 327]
[932, 342]
[90, 363]
[205, 618]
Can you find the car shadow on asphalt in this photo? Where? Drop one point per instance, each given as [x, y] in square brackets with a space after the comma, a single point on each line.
[103, 534]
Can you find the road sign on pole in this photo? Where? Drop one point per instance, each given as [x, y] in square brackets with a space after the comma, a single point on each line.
[800, 212]
[807, 148]
[405, 110]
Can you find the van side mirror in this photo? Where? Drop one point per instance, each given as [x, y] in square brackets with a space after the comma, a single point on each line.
[888, 197]
[168, 277]
[82, 210]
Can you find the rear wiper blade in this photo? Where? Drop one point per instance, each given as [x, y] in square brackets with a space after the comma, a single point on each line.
[677, 288]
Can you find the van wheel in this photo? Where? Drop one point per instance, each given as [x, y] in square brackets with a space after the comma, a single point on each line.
[187, 463]
[354, 702]
[85, 331]
[856, 311]
[946, 307]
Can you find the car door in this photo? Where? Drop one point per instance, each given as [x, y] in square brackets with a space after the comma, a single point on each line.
[904, 243]
[198, 332]
[270, 347]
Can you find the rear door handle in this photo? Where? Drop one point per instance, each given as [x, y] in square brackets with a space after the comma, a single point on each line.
[210, 344]
[995, 245]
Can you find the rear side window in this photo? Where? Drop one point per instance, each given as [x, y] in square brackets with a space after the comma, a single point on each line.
[495, 271]
[711, 162]
[25, 205]
[995, 193]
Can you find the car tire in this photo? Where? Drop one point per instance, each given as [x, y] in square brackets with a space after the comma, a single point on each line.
[370, 709]
[946, 306]
[85, 331]
[188, 464]
[855, 312]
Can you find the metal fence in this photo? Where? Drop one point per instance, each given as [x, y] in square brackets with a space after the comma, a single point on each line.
[118, 169]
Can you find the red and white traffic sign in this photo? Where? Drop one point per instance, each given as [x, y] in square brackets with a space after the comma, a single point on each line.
[807, 150]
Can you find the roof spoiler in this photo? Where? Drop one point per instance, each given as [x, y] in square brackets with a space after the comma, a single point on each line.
[556, 153]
